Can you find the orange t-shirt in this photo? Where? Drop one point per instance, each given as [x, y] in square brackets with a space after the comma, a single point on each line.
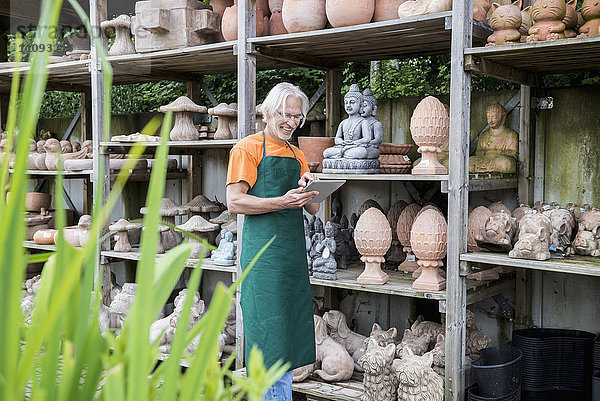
[246, 155]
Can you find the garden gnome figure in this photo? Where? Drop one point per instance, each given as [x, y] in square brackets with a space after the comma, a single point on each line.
[350, 153]
[498, 146]
[324, 265]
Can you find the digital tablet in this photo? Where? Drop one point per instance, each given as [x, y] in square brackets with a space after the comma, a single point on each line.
[324, 187]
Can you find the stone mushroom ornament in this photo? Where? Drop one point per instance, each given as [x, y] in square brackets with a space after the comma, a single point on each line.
[168, 210]
[428, 239]
[122, 28]
[203, 229]
[122, 226]
[203, 206]
[184, 129]
[429, 127]
[373, 237]
[224, 114]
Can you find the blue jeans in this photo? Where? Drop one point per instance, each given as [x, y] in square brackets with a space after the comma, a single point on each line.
[281, 390]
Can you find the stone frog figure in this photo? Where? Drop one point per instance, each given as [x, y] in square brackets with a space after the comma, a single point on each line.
[590, 10]
[547, 18]
[497, 147]
[379, 381]
[354, 134]
[498, 232]
[332, 358]
[505, 21]
[534, 237]
[416, 379]
[339, 331]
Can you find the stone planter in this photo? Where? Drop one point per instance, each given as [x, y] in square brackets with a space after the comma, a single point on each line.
[313, 147]
[349, 12]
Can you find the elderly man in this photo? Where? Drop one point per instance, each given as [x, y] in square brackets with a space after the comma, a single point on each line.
[265, 180]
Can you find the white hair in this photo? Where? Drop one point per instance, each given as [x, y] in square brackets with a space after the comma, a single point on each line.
[277, 97]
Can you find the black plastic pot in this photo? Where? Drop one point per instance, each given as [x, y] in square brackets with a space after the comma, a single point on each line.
[497, 372]
[596, 387]
[474, 395]
[597, 352]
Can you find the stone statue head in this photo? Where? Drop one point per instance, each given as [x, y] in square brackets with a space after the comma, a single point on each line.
[369, 104]
[329, 230]
[353, 100]
[496, 115]
[228, 235]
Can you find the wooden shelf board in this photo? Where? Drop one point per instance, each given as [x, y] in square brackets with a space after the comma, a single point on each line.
[75, 74]
[175, 147]
[33, 245]
[384, 177]
[207, 264]
[545, 57]
[583, 265]
[407, 37]
[50, 173]
[349, 390]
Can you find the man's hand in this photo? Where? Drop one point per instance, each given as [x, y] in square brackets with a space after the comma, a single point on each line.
[296, 198]
[306, 179]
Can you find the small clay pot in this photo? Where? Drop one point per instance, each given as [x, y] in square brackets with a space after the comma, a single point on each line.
[35, 201]
[44, 237]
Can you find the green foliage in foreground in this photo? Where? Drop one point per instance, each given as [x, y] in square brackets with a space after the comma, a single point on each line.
[61, 354]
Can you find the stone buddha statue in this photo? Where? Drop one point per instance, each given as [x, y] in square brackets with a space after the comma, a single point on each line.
[354, 142]
[368, 111]
[498, 146]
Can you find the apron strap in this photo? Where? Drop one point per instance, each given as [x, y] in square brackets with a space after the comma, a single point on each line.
[265, 147]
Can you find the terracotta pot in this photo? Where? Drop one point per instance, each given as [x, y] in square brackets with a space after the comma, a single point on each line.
[264, 6]
[275, 5]
[373, 237]
[44, 237]
[428, 239]
[219, 6]
[229, 23]
[71, 235]
[313, 147]
[303, 15]
[276, 26]
[386, 10]
[35, 201]
[265, 31]
[349, 12]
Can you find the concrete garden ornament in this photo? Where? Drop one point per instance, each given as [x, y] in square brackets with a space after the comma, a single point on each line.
[169, 238]
[165, 24]
[53, 149]
[498, 146]
[498, 232]
[418, 344]
[547, 18]
[356, 149]
[338, 330]
[122, 28]
[393, 215]
[324, 265]
[373, 237]
[429, 126]
[505, 21]
[380, 381]
[570, 19]
[428, 239]
[534, 237]
[203, 229]
[403, 227]
[590, 11]
[563, 225]
[122, 227]
[224, 113]
[477, 219]
[224, 255]
[333, 361]
[183, 108]
[416, 378]
[203, 206]
[382, 337]
[587, 240]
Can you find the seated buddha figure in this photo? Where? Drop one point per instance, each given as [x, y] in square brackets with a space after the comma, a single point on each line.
[368, 111]
[498, 146]
[354, 134]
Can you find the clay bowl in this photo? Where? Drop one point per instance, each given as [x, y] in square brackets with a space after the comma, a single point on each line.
[71, 235]
[44, 237]
[395, 148]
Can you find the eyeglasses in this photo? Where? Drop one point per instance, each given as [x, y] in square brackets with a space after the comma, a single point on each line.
[296, 117]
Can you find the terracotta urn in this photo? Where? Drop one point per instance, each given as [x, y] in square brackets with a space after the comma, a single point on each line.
[303, 15]
[44, 237]
[477, 219]
[403, 227]
[386, 10]
[373, 237]
[313, 147]
[275, 5]
[35, 201]
[430, 126]
[276, 26]
[229, 23]
[428, 239]
[349, 12]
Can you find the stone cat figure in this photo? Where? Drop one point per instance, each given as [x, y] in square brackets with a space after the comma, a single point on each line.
[505, 21]
[570, 19]
[422, 326]
[547, 16]
[418, 344]
[590, 10]
[416, 379]
[380, 382]
[526, 23]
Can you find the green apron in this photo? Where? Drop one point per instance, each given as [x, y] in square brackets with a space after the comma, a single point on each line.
[276, 299]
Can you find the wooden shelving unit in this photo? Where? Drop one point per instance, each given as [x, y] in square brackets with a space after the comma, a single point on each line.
[175, 147]
[33, 245]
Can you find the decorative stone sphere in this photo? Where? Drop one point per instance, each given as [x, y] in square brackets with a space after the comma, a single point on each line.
[373, 237]
[430, 127]
[477, 219]
[428, 239]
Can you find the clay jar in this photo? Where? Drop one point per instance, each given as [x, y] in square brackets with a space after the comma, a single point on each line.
[373, 237]
[430, 126]
[313, 147]
[349, 12]
[386, 10]
[428, 239]
[276, 26]
[229, 23]
[303, 15]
